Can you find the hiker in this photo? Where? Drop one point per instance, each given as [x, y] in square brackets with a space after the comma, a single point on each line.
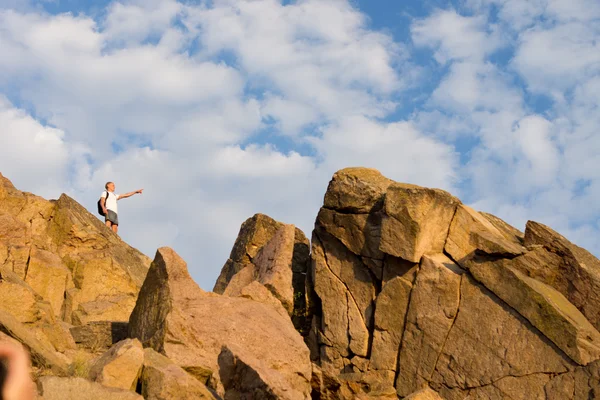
[107, 205]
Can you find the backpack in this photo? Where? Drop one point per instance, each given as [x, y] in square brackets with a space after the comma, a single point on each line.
[100, 210]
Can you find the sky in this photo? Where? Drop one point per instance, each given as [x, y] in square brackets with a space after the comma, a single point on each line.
[221, 109]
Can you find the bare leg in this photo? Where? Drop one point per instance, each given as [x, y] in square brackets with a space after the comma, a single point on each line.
[115, 228]
[108, 223]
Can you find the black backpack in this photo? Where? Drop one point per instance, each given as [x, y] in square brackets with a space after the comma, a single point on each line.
[100, 210]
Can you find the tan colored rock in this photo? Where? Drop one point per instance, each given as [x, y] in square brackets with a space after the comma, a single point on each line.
[489, 341]
[49, 277]
[258, 292]
[360, 233]
[274, 266]
[244, 376]
[55, 388]
[18, 298]
[570, 269]
[416, 221]
[162, 379]
[69, 257]
[546, 308]
[176, 318]
[43, 354]
[471, 231]
[119, 367]
[254, 234]
[508, 231]
[257, 236]
[390, 314]
[356, 190]
[100, 335]
[434, 305]
[424, 394]
[347, 292]
[240, 280]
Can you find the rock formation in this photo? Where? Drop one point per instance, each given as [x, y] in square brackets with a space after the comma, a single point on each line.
[403, 292]
[194, 329]
[417, 289]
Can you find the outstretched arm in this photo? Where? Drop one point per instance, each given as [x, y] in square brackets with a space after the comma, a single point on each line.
[126, 195]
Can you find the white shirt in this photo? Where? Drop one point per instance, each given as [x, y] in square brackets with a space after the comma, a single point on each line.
[111, 202]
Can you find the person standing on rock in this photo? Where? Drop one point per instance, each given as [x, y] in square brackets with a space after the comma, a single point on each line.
[108, 202]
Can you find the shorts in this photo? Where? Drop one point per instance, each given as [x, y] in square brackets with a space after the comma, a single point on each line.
[112, 217]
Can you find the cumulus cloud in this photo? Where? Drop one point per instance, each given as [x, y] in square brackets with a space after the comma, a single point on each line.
[32, 154]
[226, 108]
[188, 101]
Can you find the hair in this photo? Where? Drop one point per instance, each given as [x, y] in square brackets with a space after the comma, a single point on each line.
[106, 186]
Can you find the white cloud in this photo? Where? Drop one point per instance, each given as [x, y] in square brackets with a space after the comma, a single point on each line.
[456, 37]
[398, 150]
[135, 104]
[553, 60]
[33, 155]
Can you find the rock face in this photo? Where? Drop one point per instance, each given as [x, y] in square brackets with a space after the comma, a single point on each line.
[416, 289]
[179, 320]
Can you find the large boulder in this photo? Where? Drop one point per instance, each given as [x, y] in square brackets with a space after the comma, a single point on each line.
[119, 367]
[55, 388]
[181, 321]
[570, 269]
[162, 379]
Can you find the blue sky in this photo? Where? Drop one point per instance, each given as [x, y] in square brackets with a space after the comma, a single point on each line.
[224, 108]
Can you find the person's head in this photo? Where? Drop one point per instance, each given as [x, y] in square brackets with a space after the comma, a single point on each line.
[110, 186]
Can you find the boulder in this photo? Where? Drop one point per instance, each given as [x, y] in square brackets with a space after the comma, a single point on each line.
[120, 366]
[570, 269]
[162, 379]
[471, 231]
[55, 388]
[416, 221]
[177, 318]
[356, 190]
[244, 376]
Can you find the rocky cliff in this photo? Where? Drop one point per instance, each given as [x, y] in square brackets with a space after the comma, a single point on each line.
[402, 292]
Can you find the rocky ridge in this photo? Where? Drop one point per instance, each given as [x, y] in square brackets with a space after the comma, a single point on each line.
[402, 292]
